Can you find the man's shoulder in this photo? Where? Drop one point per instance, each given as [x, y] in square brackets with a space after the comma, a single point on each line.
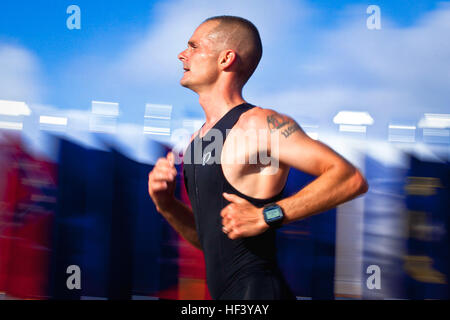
[258, 118]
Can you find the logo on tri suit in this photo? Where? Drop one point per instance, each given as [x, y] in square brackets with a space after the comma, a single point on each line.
[206, 157]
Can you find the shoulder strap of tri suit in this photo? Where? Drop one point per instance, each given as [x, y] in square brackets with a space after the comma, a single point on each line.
[232, 117]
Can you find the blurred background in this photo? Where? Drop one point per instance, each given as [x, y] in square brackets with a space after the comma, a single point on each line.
[90, 99]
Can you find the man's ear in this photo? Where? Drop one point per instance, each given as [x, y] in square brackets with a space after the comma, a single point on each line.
[227, 58]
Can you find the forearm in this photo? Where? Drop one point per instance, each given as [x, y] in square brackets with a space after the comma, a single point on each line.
[181, 218]
[330, 189]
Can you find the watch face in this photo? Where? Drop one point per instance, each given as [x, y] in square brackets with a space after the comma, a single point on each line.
[273, 213]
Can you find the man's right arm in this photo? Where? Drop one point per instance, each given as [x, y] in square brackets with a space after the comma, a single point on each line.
[161, 187]
[181, 218]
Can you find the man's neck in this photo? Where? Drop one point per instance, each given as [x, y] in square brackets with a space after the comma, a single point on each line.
[216, 104]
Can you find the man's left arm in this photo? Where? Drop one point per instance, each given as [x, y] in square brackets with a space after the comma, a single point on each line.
[337, 180]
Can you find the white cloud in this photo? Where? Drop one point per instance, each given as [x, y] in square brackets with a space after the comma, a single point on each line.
[394, 72]
[19, 74]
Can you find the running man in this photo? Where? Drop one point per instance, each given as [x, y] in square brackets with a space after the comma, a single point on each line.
[237, 205]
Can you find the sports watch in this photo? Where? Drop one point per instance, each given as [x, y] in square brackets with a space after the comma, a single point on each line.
[273, 215]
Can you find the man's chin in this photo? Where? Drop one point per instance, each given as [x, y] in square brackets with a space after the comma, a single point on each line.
[186, 84]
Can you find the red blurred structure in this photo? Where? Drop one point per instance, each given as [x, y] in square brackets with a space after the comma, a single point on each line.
[26, 211]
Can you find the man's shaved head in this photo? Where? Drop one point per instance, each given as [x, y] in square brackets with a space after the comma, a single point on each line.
[241, 36]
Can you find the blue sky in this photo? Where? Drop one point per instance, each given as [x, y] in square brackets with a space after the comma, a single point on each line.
[126, 52]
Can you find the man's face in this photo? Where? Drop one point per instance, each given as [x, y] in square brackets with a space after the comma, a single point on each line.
[200, 59]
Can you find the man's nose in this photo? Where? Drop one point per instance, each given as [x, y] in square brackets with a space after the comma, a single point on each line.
[182, 56]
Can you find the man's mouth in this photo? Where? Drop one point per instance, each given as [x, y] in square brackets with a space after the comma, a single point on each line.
[186, 69]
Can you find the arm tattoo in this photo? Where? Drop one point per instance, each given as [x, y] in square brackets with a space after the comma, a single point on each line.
[276, 122]
[291, 129]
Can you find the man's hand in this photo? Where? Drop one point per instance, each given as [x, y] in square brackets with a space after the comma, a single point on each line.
[161, 182]
[242, 219]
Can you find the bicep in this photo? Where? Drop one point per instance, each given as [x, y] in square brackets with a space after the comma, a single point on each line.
[298, 150]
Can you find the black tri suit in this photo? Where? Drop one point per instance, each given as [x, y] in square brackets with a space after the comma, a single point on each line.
[241, 269]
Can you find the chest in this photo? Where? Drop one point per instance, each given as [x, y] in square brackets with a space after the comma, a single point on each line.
[233, 155]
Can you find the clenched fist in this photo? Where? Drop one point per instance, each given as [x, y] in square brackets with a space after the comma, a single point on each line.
[162, 181]
[241, 218]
